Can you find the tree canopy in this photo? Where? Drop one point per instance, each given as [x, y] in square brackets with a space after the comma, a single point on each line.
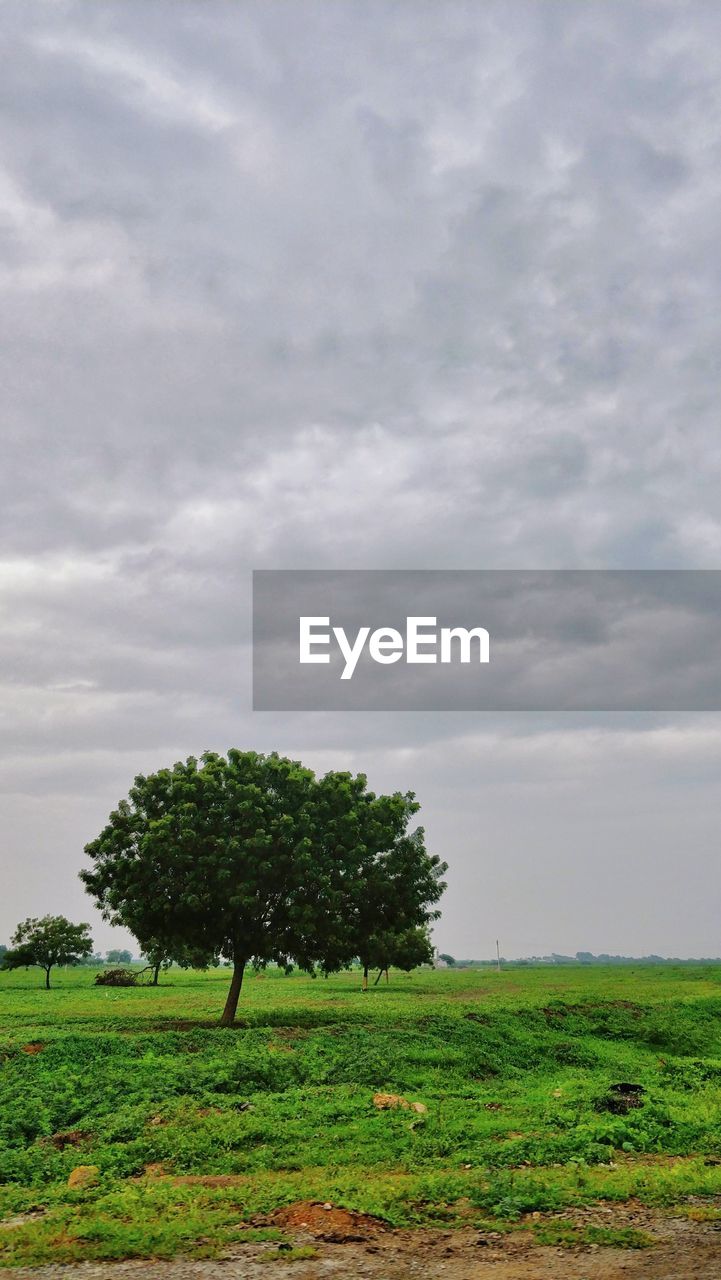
[403, 949]
[47, 942]
[253, 859]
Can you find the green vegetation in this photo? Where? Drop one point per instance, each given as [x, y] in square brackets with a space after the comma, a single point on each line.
[255, 860]
[198, 1133]
[47, 942]
[568, 1235]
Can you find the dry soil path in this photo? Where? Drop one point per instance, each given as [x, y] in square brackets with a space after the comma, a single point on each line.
[683, 1250]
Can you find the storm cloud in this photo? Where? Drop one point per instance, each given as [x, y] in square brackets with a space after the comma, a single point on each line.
[357, 286]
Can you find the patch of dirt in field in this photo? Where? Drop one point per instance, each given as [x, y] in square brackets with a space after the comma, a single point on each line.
[325, 1222]
[681, 1250]
[33, 1046]
[70, 1138]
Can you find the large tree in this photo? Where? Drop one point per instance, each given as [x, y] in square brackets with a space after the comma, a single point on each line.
[248, 858]
[47, 942]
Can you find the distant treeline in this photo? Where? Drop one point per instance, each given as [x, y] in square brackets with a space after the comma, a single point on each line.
[585, 957]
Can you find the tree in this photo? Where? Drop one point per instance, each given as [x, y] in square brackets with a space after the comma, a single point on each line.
[405, 950]
[159, 957]
[3, 952]
[248, 858]
[119, 957]
[396, 896]
[450, 960]
[47, 942]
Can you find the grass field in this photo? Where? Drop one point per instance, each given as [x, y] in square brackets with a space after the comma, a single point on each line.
[516, 1071]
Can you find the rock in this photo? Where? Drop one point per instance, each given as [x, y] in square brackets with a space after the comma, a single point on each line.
[387, 1101]
[84, 1175]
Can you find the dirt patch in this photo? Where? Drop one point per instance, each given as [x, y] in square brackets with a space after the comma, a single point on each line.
[33, 1046]
[326, 1222]
[622, 1098]
[682, 1250]
[70, 1138]
[21, 1219]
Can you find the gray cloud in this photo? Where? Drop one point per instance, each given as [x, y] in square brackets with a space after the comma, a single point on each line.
[356, 286]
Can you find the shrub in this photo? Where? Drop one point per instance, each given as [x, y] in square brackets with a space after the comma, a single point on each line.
[116, 978]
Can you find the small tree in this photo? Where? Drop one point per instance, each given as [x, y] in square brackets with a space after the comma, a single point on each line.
[159, 957]
[394, 902]
[119, 957]
[406, 950]
[47, 942]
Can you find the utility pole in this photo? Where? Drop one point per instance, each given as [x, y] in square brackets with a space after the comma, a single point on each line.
[498, 957]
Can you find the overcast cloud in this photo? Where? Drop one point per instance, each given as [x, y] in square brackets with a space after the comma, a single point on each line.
[357, 285]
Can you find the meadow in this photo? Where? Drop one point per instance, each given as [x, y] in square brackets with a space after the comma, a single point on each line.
[199, 1134]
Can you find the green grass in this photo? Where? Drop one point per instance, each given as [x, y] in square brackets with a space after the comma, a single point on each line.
[565, 1234]
[514, 1070]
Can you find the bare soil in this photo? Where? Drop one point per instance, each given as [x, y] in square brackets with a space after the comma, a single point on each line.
[353, 1247]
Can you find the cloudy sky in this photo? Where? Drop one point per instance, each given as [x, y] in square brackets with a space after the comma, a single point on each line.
[357, 285]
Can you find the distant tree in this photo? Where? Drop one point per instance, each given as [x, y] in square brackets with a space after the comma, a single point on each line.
[119, 957]
[3, 952]
[159, 957]
[442, 955]
[47, 942]
[406, 950]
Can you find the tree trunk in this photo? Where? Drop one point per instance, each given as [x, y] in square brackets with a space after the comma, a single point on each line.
[47, 979]
[387, 977]
[156, 971]
[380, 975]
[231, 1003]
[365, 977]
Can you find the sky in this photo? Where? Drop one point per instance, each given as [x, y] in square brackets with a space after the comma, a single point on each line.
[371, 286]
